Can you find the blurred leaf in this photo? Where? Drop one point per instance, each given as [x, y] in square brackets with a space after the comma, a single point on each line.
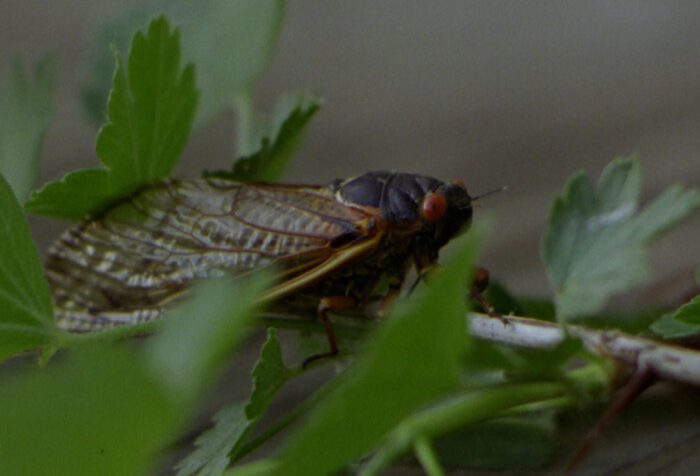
[25, 110]
[631, 321]
[111, 410]
[150, 110]
[26, 320]
[594, 245]
[513, 443]
[277, 141]
[685, 322]
[502, 300]
[545, 363]
[233, 423]
[458, 411]
[97, 412]
[202, 331]
[411, 360]
[489, 364]
[539, 308]
[230, 41]
[689, 313]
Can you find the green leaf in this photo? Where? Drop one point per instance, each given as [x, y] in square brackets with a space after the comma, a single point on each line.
[277, 140]
[230, 41]
[269, 374]
[108, 409]
[514, 443]
[213, 446]
[457, 412]
[203, 331]
[670, 328]
[594, 246]
[151, 107]
[414, 357]
[67, 197]
[25, 110]
[689, 313]
[684, 322]
[98, 411]
[26, 320]
[233, 423]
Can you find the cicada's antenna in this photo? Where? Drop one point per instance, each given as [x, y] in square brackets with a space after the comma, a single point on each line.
[490, 192]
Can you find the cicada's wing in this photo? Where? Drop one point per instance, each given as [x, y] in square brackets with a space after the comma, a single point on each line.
[125, 265]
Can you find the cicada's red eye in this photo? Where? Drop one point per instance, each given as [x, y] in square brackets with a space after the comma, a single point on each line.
[460, 183]
[434, 206]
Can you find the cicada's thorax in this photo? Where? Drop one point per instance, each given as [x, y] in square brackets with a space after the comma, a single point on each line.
[408, 237]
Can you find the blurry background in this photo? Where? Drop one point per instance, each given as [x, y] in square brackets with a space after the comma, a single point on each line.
[492, 93]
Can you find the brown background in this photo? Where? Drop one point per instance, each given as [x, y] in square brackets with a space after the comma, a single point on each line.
[493, 93]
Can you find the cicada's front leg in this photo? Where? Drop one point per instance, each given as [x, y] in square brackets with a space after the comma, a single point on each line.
[480, 282]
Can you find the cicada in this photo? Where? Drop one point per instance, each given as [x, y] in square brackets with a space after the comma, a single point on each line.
[330, 244]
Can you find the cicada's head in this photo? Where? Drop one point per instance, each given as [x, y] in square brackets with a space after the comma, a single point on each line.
[435, 211]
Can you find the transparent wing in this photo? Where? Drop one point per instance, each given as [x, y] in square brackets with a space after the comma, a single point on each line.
[140, 255]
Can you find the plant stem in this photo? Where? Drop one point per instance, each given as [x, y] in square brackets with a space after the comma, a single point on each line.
[665, 360]
[465, 409]
[245, 124]
[427, 457]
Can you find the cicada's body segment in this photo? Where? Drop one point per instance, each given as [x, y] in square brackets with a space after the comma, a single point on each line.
[131, 262]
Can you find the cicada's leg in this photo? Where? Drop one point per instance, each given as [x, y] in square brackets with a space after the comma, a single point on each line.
[480, 282]
[326, 305]
[388, 299]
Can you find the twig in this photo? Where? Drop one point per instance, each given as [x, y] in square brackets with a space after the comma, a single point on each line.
[665, 360]
[639, 382]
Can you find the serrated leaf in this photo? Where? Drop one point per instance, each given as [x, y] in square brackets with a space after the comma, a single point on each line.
[230, 41]
[232, 424]
[211, 455]
[594, 246]
[66, 198]
[414, 357]
[25, 110]
[150, 110]
[269, 374]
[26, 316]
[684, 322]
[277, 141]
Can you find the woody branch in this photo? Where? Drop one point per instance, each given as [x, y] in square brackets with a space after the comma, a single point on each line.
[665, 360]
